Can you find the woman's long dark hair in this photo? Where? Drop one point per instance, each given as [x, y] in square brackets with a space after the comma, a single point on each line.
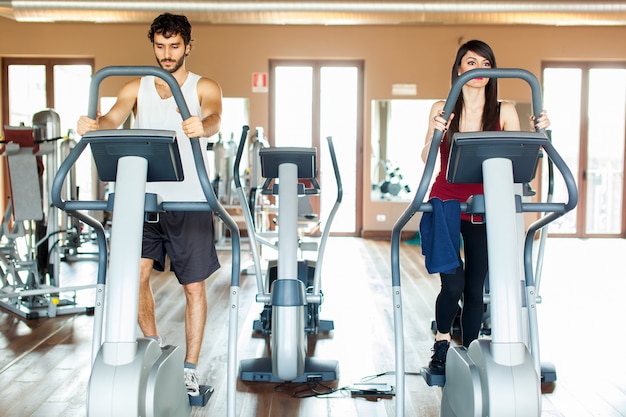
[490, 111]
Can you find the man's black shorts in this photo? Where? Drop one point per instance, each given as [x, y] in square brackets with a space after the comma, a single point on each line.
[187, 238]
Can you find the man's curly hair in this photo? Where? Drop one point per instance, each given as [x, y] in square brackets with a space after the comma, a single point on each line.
[170, 25]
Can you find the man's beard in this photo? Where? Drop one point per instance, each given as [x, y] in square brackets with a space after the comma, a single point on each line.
[179, 64]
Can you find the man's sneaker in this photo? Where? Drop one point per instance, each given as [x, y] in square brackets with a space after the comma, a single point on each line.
[191, 382]
[437, 363]
[156, 339]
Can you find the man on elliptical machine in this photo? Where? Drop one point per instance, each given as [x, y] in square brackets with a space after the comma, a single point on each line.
[187, 238]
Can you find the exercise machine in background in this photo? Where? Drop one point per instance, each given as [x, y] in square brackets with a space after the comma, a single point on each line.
[500, 374]
[32, 232]
[291, 289]
[133, 376]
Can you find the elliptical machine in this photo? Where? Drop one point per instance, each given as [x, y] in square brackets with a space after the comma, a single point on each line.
[500, 375]
[135, 376]
[291, 295]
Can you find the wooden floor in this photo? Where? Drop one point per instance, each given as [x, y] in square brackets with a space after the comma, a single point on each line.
[44, 363]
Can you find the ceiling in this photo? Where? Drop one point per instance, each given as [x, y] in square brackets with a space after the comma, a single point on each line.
[326, 12]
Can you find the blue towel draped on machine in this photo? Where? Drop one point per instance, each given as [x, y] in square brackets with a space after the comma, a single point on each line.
[440, 233]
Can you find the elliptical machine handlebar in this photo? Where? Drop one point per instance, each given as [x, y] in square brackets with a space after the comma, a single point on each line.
[140, 71]
[418, 203]
[209, 193]
[236, 176]
[453, 95]
[553, 210]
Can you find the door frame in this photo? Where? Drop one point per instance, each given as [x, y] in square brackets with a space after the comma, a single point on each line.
[316, 140]
[585, 67]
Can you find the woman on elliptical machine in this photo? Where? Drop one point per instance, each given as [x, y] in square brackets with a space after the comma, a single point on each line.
[477, 109]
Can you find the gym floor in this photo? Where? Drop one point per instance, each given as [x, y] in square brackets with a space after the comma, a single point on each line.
[44, 363]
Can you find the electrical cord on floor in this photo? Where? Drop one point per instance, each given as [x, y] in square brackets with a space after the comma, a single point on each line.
[307, 389]
[372, 377]
[316, 388]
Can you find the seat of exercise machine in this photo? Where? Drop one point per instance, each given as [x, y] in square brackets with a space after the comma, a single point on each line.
[159, 147]
[303, 158]
[470, 149]
[20, 135]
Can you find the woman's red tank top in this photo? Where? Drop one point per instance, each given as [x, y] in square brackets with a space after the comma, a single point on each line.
[444, 190]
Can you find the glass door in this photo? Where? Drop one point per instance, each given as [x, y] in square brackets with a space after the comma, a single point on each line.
[311, 100]
[587, 104]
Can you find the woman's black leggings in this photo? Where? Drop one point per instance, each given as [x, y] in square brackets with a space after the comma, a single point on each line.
[467, 282]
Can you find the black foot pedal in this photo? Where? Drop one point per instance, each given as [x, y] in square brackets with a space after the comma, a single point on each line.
[433, 379]
[201, 400]
[548, 372]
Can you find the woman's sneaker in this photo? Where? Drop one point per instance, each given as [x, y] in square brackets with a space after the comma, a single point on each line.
[437, 363]
[191, 382]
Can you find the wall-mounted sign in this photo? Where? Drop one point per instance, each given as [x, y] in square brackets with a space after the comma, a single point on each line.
[259, 82]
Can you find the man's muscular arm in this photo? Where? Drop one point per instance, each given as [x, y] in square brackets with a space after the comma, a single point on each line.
[210, 96]
[125, 103]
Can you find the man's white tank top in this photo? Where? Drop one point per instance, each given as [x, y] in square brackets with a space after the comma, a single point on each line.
[153, 112]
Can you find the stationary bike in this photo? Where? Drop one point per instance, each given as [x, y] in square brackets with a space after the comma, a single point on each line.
[291, 291]
[500, 375]
[133, 376]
